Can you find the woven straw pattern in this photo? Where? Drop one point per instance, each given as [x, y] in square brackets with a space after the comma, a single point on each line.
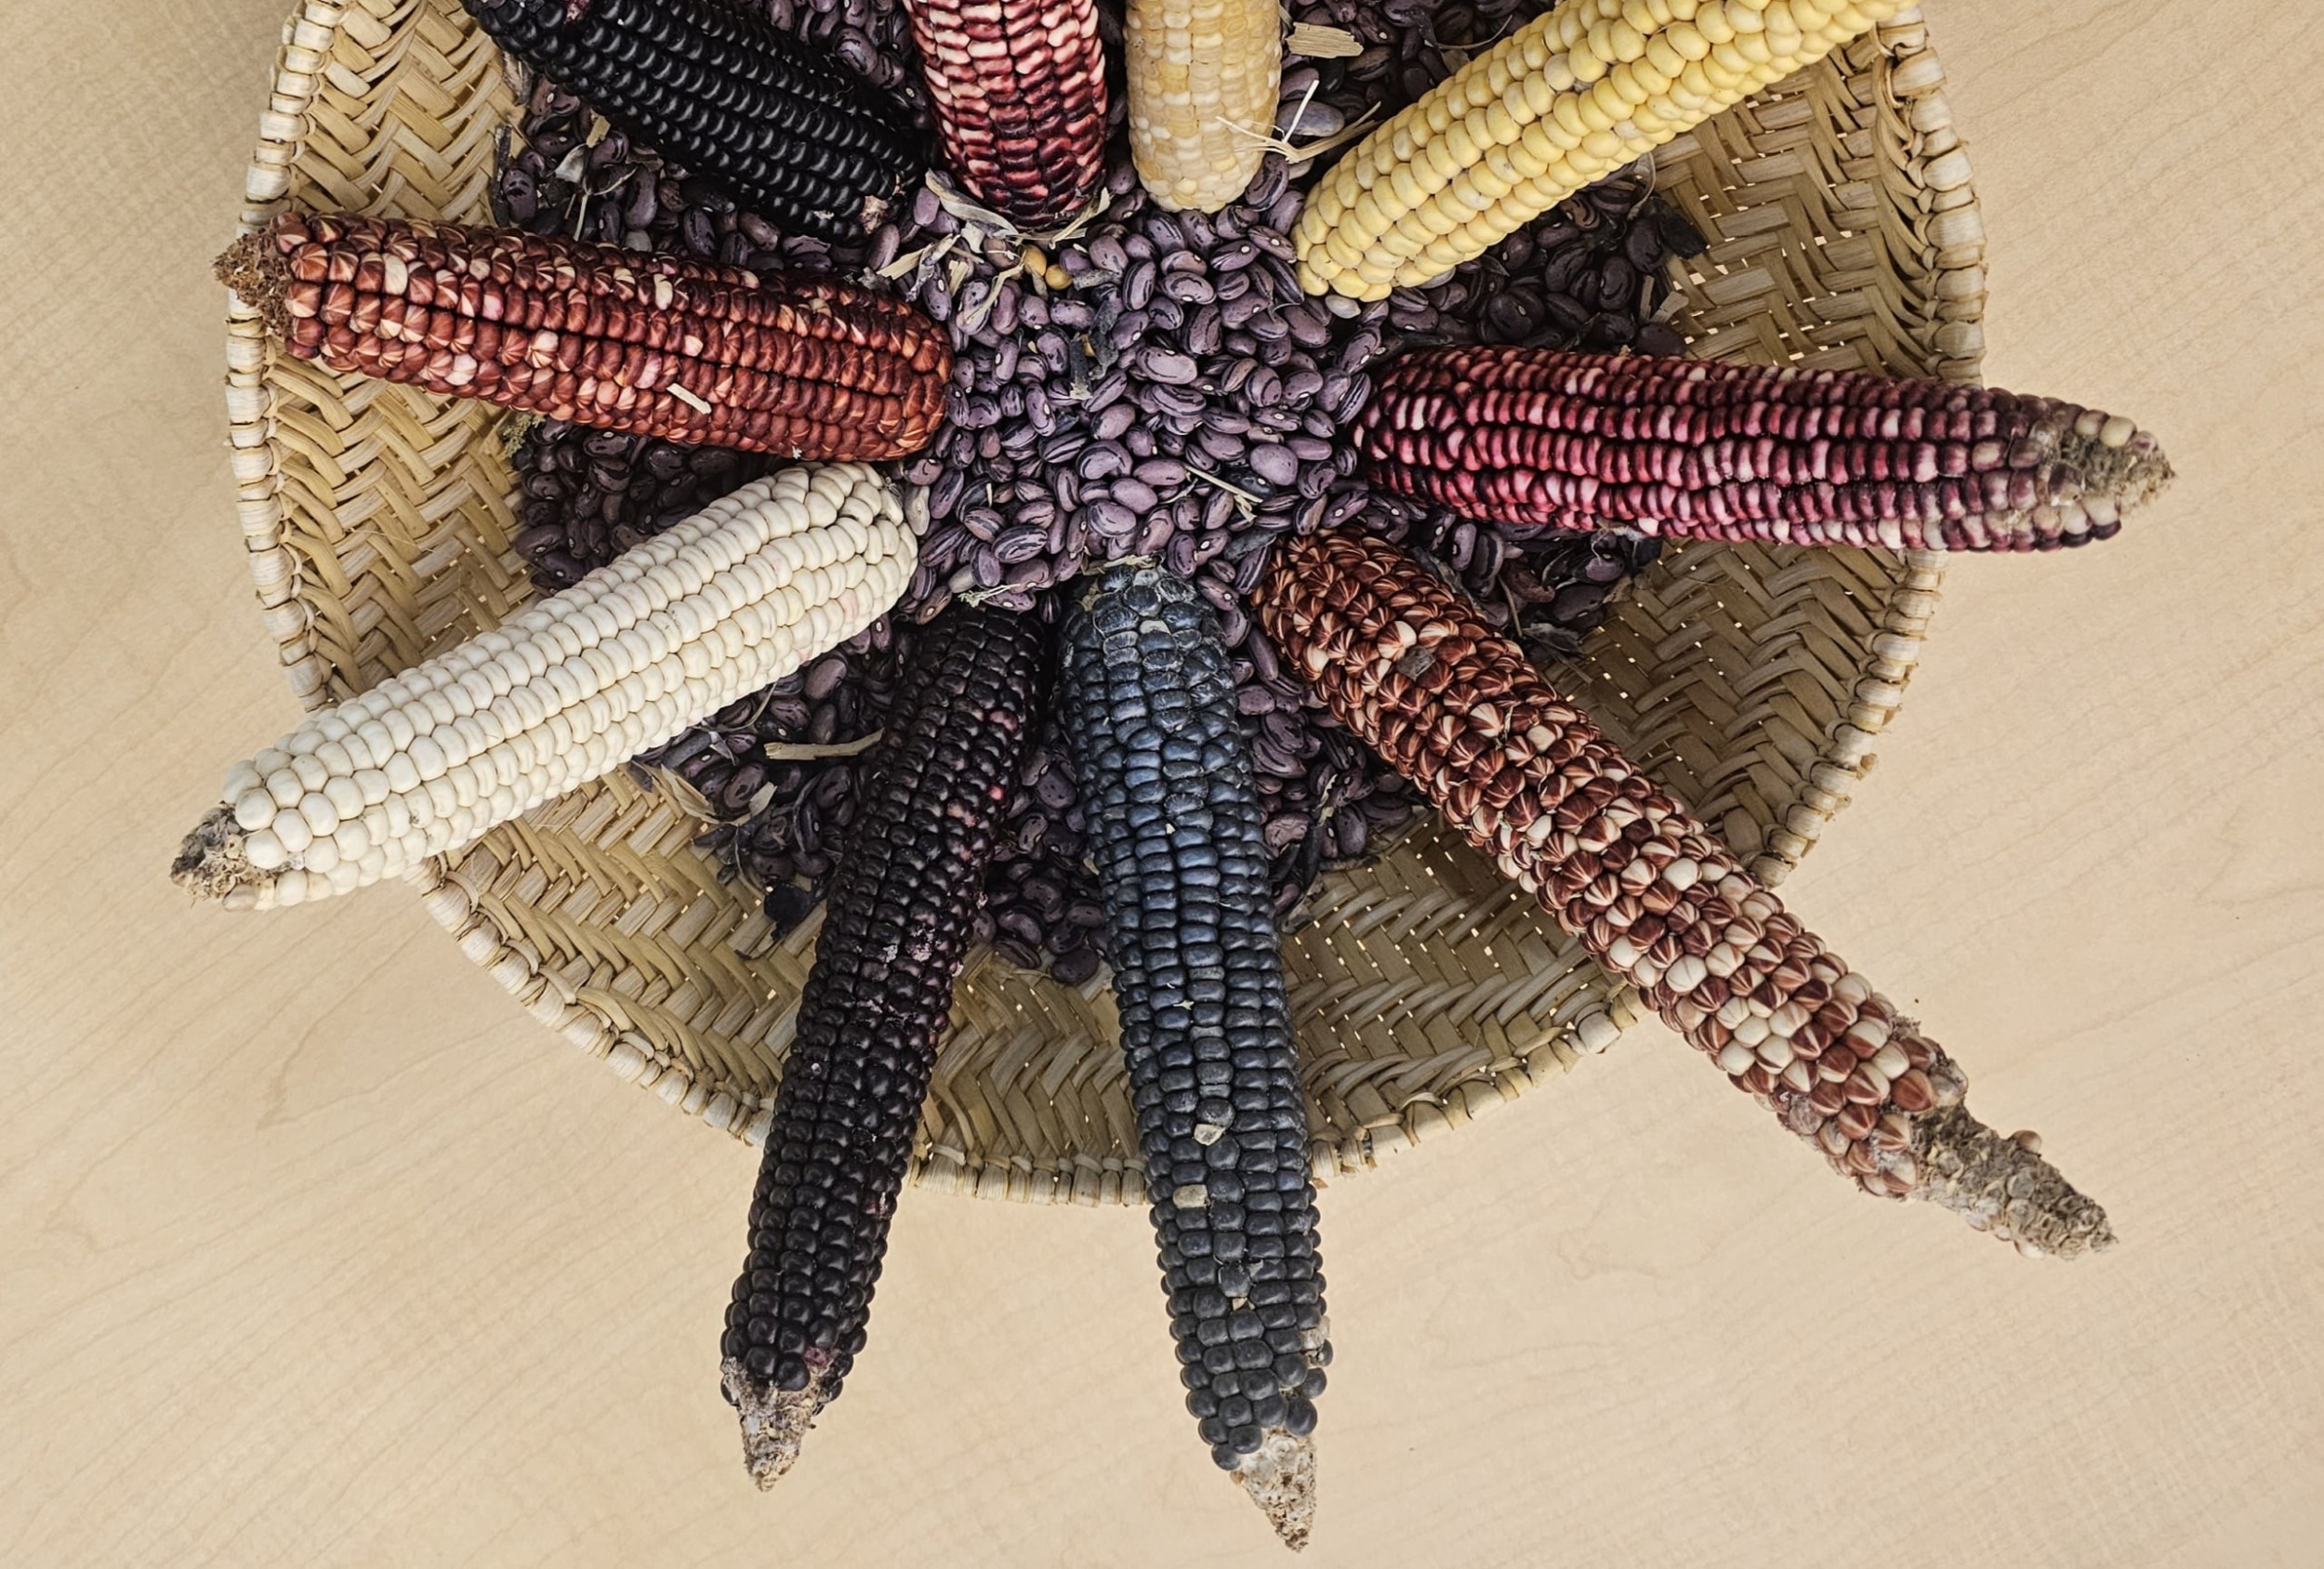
[1753, 681]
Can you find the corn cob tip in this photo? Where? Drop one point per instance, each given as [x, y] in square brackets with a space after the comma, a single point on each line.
[255, 270]
[1999, 1183]
[1280, 1477]
[211, 865]
[774, 1421]
[2128, 469]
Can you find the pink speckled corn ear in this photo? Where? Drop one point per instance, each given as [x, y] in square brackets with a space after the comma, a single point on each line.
[1694, 450]
[1019, 90]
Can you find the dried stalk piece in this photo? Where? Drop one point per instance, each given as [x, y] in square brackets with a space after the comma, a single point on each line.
[1204, 76]
[1564, 101]
[795, 133]
[1175, 821]
[1401, 660]
[569, 688]
[1019, 91]
[897, 925]
[690, 352]
[1534, 437]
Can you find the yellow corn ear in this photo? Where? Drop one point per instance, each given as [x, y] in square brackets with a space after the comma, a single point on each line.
[1204, 78]
[1562, 102]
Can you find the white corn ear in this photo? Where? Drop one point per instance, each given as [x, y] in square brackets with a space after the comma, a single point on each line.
[739, 595]
[1204, 76]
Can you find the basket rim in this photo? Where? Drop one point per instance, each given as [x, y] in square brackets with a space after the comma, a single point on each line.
[1952, 269]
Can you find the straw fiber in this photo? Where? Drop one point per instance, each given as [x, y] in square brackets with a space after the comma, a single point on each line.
[1753, 681]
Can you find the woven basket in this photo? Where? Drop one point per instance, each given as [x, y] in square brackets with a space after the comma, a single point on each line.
[1751, 681]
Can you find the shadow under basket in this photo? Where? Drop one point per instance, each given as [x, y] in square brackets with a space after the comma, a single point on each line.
[1752, 681]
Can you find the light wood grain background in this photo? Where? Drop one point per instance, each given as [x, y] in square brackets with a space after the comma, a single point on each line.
[315, 1250]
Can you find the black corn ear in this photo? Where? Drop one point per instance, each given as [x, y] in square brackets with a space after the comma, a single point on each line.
[1174, 816]
[896, 928]
[801, 139]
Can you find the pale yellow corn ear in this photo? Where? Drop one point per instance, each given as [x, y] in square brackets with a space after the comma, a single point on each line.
[1562, 102]
[564, 691]
[1204, 79]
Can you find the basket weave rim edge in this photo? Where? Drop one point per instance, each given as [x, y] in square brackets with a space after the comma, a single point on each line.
[1954, 269]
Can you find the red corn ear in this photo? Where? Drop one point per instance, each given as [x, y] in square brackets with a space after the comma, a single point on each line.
[1697, 450]
[795, 365]
[1457, 708]
[1019, 90]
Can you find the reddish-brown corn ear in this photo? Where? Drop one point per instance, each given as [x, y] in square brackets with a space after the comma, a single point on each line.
[1457, 708]
[799, 365]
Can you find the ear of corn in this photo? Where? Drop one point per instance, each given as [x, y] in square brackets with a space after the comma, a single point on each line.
[1203, 78]
[1706, 450]
[429, 760]
[798, 138]
[1564, 101]
[692, 351]
[897, 923]
[1019, 90]
[1457, 709]
[1166, 781]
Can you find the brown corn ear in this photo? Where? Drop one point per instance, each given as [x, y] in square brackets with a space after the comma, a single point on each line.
[1019, 91]
[1698, 450]
[799, 365]
[1454, 706]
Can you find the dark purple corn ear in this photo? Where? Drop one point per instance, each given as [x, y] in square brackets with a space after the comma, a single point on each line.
[897, 922]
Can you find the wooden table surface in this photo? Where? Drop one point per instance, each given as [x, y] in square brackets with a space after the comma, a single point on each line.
[315, 1250]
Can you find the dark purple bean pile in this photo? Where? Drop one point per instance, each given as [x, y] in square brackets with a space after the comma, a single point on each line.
[781, 818]
[1156, 386]
[1177, 399]
[584, 497]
